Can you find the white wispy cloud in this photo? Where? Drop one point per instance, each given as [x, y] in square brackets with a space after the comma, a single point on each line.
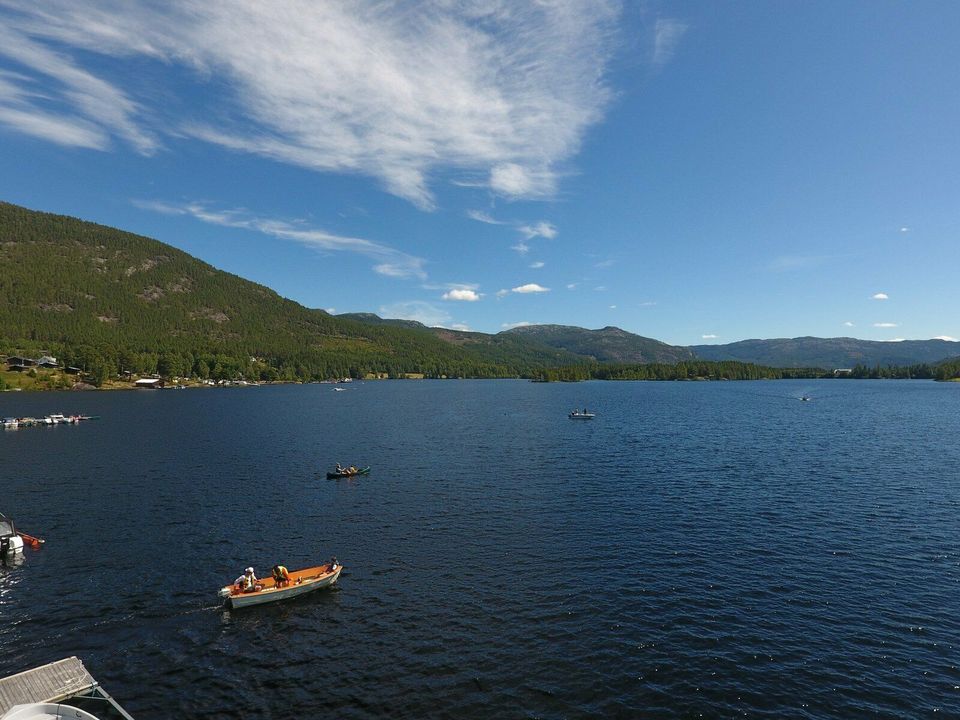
[537, 265]
[462, 294]
[946, 337]
[572, 286]
[521, 247]
[331, 311]
[904, 229]
[604, 264]
[613, 307]
[481, 216]
[880, 296]
[462, 327]
[666, 36]
[404, 93]
[530, 288]
[424, 312]
[54, 99]
[502, 293]
[647, 303]
[886, 325]
[709, 336]
[389, 261]
[522, 323]
[848, 324]
[541, 229]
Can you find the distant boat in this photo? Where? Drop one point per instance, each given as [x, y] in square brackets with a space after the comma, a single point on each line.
[339, 389]
[577, 415]
[300, 583]
[348, 473]
[805, 398]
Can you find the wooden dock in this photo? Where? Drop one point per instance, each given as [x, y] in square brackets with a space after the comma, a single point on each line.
[59, 681]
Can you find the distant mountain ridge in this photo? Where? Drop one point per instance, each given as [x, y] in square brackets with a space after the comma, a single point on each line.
[830, 353]
[608, 344]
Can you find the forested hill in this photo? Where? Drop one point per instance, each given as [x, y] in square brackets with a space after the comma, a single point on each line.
[107, 301]
[609, 344]
[830, 353]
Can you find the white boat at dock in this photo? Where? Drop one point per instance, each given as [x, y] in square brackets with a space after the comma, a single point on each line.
[13, 423]
[10, 541]
[300, 583]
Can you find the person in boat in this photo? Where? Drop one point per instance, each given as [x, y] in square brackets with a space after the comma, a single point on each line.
[333, 563]
[351, 470]
[339, 469]
[250, 581]
[281, 576]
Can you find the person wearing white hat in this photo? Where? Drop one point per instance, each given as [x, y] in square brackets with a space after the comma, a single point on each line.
[249, 580]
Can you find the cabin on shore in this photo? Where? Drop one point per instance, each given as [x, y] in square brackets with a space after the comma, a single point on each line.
[17, 363]
[149, 383]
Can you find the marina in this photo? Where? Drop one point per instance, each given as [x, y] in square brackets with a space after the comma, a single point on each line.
[13, 423]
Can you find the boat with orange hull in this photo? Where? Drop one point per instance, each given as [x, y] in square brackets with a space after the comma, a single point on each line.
[300, 583]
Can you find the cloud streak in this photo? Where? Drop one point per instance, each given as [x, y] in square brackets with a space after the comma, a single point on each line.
[388, 261]
[666, 36]
[529, 288]
[501, 93]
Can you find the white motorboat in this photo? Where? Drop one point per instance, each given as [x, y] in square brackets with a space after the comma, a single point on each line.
[10, 542]
[577, 415]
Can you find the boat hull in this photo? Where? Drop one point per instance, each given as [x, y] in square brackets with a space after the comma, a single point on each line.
[301, 583]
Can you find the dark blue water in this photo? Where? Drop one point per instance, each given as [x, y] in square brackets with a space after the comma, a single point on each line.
[700, 548]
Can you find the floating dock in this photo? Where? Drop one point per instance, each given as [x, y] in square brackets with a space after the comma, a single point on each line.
[65, 681]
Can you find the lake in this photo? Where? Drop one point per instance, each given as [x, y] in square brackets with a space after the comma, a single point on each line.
[699, 548]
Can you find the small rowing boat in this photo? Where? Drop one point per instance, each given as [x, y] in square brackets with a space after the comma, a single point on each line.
[577, 415]
[348, 473]
[301, 582]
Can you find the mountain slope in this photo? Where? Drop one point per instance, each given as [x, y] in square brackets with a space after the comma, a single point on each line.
[94, 293]
[512, 350]
[609, 344]
[829, 353]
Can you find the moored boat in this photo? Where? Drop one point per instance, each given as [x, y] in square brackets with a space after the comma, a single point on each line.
[348, 473]
[10, 541]
[300, 583]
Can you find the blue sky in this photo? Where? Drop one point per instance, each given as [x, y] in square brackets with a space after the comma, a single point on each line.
[695, 172]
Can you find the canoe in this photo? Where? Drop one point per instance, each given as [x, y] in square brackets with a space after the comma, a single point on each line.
[301, 582]
[361, 471]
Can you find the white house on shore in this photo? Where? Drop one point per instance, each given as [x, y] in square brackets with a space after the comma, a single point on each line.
[149, 383]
